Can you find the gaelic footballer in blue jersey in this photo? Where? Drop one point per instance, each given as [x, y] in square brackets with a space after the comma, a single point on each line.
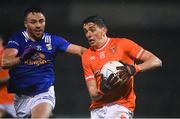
[30, 55]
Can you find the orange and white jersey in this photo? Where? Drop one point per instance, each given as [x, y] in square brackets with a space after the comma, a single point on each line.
[5, 97]
[115, 49]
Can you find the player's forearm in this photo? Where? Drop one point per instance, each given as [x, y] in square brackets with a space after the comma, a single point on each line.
[95, 95]
[75, 49]
[150, 64]
[80, 50]
[93, 90]
[8, 62]
[83, 49]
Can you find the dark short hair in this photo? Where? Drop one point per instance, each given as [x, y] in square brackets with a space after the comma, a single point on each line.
[96, 20]
[33, 10]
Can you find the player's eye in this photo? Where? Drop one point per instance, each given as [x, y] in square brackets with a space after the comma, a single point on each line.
[41, 21]
[33, 22]
[92, 30]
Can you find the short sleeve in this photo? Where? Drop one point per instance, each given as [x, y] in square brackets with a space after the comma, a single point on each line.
[133, 49]
[88, 73]
[13, 42]
[61, 43]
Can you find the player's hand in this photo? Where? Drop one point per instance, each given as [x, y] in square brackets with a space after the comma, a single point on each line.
[28, 53]
[110, 83]
[126, 71]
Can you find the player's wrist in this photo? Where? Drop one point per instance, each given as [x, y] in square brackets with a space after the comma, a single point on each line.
[100, 92]
[131, 69]
[97, 96]
[137, 68]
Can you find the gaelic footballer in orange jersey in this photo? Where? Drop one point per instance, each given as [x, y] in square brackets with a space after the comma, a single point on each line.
[6, 99]
[115, 49]
[110, 100]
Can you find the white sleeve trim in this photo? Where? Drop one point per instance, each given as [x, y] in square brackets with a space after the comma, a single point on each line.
[139, 53]
[89, 77]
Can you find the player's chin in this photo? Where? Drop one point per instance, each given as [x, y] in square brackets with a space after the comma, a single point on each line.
[38, 35]
[92, 44]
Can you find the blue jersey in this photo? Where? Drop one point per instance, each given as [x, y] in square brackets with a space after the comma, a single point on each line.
[36, 74]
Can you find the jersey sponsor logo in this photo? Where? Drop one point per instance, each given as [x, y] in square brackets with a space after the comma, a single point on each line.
[37, 59]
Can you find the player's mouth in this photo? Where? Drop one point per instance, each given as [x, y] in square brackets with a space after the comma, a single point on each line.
[91, 41]
[38, 32]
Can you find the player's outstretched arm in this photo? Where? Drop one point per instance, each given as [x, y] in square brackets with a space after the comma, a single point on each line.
[10, 58]
[93, 90]
[150, 61]
[75, 49]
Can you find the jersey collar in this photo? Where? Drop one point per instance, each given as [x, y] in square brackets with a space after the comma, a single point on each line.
[98, 49]
[27, 36]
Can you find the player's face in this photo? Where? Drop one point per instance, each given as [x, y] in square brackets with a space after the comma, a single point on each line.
[94, 34]
[35, 25]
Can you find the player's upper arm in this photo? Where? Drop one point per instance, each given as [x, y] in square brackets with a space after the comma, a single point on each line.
[75, 49]
[150, 61]
[132, 48]
[150, 56]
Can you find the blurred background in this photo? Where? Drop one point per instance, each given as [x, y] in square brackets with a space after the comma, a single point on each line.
[153, 24]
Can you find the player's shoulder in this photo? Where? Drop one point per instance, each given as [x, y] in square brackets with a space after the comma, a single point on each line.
[121, 40]
[16, 38]
[53, 36]
[87, 53]
[19, 34]
[118, 39]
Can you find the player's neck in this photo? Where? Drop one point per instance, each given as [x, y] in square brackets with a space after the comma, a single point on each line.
[31, 37]
[102, 43]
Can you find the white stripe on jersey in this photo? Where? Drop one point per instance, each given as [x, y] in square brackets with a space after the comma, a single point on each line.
[25, 35]
[139, 53]
[89, 77]
[48, 39]
[104, 45]
[14, 42]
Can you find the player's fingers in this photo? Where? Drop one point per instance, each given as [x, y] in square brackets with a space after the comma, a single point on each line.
[117, 81]
[121, 68]
[124, 76]
[110, 78]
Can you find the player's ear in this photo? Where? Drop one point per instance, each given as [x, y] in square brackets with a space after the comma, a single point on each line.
[25, 24]
[105, 30]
